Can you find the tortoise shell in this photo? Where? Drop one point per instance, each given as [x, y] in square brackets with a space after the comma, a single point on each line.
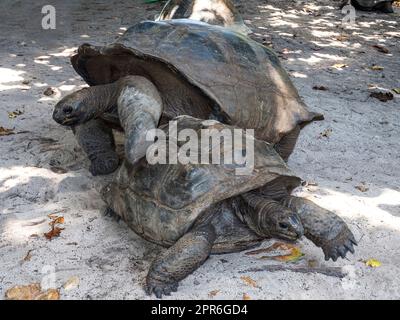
[243, 79]
[161, 202]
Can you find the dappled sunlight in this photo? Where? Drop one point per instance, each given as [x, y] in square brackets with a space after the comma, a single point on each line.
[8, 77]
[361, 207]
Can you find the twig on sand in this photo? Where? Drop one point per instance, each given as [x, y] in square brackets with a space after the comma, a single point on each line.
[327, 271]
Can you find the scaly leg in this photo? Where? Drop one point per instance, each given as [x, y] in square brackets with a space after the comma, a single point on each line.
[179, 261]
[97, 140]
[323, 227]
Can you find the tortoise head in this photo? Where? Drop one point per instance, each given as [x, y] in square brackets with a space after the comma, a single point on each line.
[74, 109]
[281, 223]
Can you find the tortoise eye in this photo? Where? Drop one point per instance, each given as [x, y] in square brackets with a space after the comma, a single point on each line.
[68, 109]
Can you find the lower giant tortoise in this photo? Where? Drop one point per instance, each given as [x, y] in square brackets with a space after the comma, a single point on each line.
[198, 209]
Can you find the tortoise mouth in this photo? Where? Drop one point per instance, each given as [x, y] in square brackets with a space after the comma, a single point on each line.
[290, 236]
[70, 121]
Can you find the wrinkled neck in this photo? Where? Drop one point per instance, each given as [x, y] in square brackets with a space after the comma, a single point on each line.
[103, 98]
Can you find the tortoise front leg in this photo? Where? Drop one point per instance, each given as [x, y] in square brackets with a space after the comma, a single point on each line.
[179, 261]
[140, 108]
[97, 140]
[323, 227]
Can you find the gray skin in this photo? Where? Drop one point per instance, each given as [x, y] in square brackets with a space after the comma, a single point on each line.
[159, 70]
[218, 12]
[201, 209]
[371, 5]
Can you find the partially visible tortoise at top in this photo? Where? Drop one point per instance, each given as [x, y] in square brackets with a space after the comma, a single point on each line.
[197, 209]
[159, 70]
[385, 6]
[219, 12]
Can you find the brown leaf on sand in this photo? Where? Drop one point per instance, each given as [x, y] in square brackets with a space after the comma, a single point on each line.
[249, 281]
[381, 48]
[362, 187]
[28, 256]
[382, 96]
[53, 233]
[49, 92]
[290, 253]
[6, 132]
[340, 66]
[326, 133]
[322, 88]
[31, 292]
[71, 284]
[14, 114]
[213, 293]
[342, 37]
[246, 297]
[376, 67]
[57, 220]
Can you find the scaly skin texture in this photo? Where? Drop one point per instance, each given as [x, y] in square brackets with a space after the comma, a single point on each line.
[180, 260]
[139, 110]
[323, 227]
[97, 140]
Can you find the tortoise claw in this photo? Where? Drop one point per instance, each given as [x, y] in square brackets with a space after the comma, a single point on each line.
[160, 289]
[340, 245]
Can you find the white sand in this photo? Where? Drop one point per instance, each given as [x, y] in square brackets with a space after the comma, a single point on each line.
[110, 260]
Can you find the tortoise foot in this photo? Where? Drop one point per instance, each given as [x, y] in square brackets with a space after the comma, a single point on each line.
[104, 164]
[108, 212]
[160, 288]
[339, 246]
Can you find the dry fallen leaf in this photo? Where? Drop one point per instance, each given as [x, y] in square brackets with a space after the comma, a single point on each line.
[294, 255]
[381, 48]
[340, 66]
[51, 294]
[53, 233]
[249, 281]
[71, 284]
[373, 263]
[342, 37]
[291, 252]
[31, 292]
[382, 96]
[362, 187]
[326, 133]
[28, 256]
[14, 114]
[323, 88]
[6, 132]
[377, 68]
[213, 293]
[246, 297]
[49, 92]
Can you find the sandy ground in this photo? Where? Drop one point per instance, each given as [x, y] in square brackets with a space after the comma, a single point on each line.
[360, 147]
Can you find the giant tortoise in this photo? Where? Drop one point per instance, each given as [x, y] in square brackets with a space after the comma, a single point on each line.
[159, 70]
[196, 209]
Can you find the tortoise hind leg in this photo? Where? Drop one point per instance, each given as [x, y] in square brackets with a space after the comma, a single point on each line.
[97, 140]
[179, 261]
[323, 227]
